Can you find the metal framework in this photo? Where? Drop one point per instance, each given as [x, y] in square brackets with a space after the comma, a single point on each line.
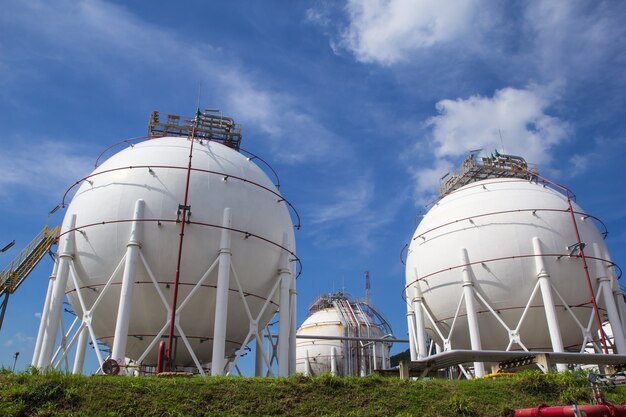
[495, 166]
[207, 125]
[17, 271]
[504, 361]
[81, 330]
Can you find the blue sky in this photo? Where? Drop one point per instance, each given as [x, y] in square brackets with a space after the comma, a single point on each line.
[361, 106]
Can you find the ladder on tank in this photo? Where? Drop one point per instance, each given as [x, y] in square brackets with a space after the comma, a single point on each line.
[17, 271]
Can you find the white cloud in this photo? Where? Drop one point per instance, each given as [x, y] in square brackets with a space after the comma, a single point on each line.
[389, 31]
[38, 315]
[20, 338]
[514, 121]
[579, 163]
[295, 135]
[427, 180]
[107, 41]
[477, 122]
[572, 39]
[348, 202]
[352, 211]
[46, 167]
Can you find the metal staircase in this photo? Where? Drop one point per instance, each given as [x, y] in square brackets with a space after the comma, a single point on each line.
[17, 271]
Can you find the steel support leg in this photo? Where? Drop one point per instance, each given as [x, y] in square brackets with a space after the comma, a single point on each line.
[3, 307]
[307, 364]
[333, 360]
[44, 314]
[621, 306]
[472, 317]
[604, 280]
[410, 319]
[420, 328]
[284, 320]
[81, 347]
[548, 302]
[58, 294]
[258, 358]
[293, 324]
[118, 352]
[221, 298]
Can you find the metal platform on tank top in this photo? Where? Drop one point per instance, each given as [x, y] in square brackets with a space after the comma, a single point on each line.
[544, 360]
[207, 125]
[495, 166]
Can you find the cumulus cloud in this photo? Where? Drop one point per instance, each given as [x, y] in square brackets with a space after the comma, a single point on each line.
[517, 115]
[514, 121]
[389, 31]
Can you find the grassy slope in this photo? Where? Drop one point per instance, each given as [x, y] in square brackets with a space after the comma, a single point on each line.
[47, 395]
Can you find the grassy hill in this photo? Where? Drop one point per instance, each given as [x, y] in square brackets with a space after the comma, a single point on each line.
[66, 395]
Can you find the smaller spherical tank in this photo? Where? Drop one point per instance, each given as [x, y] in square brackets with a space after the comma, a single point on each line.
[335, 316]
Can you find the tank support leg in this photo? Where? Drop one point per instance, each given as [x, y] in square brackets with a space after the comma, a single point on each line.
[472, 318]
[284, 324]
[79, 359]
[293, 323]
[619, 302]
[307, 364]
[604, 281]
[258, 357]
[118, 351]
[44, 315]
[333, 360]
[221, 298]
[410, 318]
[548, 302]
[420, 328]
[58, 294]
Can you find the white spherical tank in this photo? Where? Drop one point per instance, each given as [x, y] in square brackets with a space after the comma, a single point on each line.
[327, 323]
[156, 172]
[337, 319]
[487, 228]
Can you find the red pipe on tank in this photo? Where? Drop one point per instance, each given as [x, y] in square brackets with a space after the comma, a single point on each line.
[170, 339]
[582, 253]
[160, 357]
[595, 410]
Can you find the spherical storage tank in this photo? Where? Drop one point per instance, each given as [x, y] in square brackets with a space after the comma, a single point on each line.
[490, 234]
[335, 316]
[155, 171]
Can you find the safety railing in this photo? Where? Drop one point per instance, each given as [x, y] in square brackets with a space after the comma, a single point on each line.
[15, 273]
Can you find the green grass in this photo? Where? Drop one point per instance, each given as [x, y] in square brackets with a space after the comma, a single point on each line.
[56, 394]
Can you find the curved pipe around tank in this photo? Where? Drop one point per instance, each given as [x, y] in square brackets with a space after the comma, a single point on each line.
[218, 226]
[224, 175]
[503, 258]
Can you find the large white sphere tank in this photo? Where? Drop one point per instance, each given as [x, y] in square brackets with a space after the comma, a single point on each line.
[495, 221]
[330, 322]
[156, 172]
